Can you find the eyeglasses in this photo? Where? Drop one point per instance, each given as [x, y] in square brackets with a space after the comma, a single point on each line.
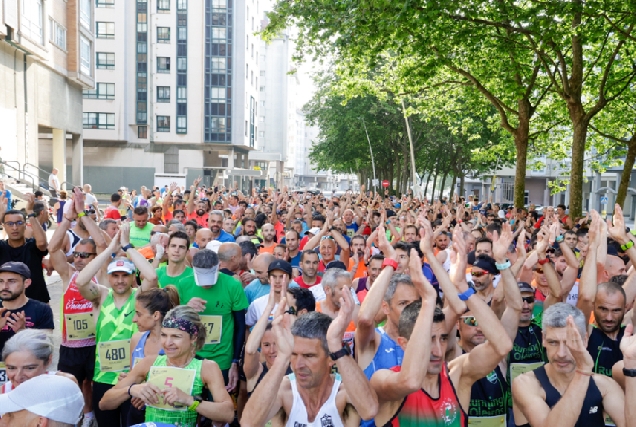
[529, 300]
[477, 273]
[83, 255]
[89, 211]
[14, 223]
[470, 320]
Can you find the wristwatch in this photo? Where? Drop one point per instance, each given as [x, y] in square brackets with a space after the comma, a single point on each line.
[344, 351]
[195, 403]
[128, 246]
[31, 215]
[388, 262]
[629, 372]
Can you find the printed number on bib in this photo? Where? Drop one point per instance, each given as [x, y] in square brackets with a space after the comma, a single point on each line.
[114, 356]
[213, 328]
[79, 326]
[496, 421]
[517, 369]
[3, 373]
[165, 377]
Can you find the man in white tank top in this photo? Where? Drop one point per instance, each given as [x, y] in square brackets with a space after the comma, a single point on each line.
[312, 396]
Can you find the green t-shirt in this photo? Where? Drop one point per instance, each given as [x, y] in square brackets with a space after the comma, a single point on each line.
[140, 236]
[184, 279]
[223, 298]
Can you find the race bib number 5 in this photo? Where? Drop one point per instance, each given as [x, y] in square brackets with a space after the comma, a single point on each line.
[79, 326]
[213, 328]
[114, 356]
[165, 377]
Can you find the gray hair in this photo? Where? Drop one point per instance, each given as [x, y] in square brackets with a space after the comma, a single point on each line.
[205, 258]
[228, 250]
[105, 223]
[177, 224]
[35, 341]
[396, 279]
[188, 313]
[332, 275]
[556, 316]
[409, 317]
[313, 325]
[218, 212]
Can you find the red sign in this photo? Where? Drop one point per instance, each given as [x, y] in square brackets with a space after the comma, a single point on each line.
[385, 183]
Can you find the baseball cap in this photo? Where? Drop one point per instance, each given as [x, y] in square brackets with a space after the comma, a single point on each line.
[205, 264]
[336, 264]
[121, 264]
[314, 230]
[16, 267]
[486, 263]
[281, 265]
[214, 246]
[112, 214]
[51, 396]
[525, 287]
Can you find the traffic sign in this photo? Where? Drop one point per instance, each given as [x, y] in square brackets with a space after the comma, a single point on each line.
[603, 200]
[375, 182]
[385, 183]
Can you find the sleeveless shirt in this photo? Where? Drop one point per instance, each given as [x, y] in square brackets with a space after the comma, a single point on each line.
[604, 350]
[592, 411]
[139, 352]
[328, 415]
[60, 211]
[420, 409]
[113, 324]
[74, 303]
[527, 349]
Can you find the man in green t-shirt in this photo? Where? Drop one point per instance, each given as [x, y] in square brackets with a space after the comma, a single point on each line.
[141, 228]
[176, 272]
[221, 303]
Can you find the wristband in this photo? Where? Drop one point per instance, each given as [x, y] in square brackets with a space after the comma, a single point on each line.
[128, 246]
[31, 215]
[235, 361]
[543, 261]
[129, 390]
[81, 214]
[633, 231]
[503, 266]
[465, 295]
[388, 262]
[627, 245]
[194, 406]
[559, 239]
[629, 372]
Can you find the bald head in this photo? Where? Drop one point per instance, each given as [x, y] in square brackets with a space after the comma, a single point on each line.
[260, 265]
[230, 256]
[203, 237]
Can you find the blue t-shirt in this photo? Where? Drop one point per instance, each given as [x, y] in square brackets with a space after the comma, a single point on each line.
[295, 261]
[7, 195]
[225, 237]
[352, 229]
[255, 290]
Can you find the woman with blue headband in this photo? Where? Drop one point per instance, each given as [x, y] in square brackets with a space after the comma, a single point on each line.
[171, 384]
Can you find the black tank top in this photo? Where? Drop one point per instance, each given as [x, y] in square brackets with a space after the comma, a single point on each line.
[490, 396]
[527, 348]
[605, 351]
[592, 410]
[262, 375]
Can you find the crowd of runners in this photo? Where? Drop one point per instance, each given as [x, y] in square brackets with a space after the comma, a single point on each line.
[206, 306]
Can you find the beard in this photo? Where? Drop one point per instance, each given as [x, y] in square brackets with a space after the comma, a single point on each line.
[200, 212]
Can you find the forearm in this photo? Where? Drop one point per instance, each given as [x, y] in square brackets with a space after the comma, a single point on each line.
[553, 280]
[38, 233]
[265, 397]
[445, 283]
[492, 328]
[84, 277]
[218, 411]
[314, 241]
[57, 240]
[587, 284]
[359, 390]
[570, 258]
[94, 232]
[416, 357]
[630, 394]
[254, 339]
[114, 398]
[566, 412]
[511, 290]
[239, 333]
[373, 301]
[144, 267]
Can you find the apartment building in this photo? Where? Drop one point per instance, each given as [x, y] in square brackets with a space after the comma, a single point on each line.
[176, 92]
[46, 60]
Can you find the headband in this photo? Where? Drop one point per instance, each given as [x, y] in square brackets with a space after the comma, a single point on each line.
[181, 324]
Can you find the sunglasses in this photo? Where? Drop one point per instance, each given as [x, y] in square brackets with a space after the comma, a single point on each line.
[470, 320]
[83, 255]
[14, 223]
[327, 238]
[89, 211]
[292, 310]
[539, 271]
[529, 300]
[478, 273]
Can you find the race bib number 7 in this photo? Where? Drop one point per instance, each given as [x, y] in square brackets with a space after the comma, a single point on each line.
[114, 356]
[213, 328]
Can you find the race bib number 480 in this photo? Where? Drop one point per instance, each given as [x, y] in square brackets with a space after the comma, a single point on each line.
[114, 356]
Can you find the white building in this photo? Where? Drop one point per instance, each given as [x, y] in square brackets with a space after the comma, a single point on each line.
[46, 59]
[176, 92]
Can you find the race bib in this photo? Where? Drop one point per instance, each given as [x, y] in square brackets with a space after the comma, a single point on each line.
[521, 368]
[496, 421]
[3, 373]
[608, 421]
[165, 377]
[114, 356]
[79, 326]
[213, 327]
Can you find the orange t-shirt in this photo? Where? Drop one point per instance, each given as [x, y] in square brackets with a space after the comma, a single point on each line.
[267, 249]
[147, 252]
[360, 272]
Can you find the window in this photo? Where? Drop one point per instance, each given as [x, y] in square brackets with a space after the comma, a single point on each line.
[182, 33]
[217, 93]
[247, 71]
[262, 88]
[85, 55]
[99, 120]
[142, 132]
[182, 4]
[262, 103]
[218, 65]
[261, 134]
[31, 20]
[182, 124]
[217, 124]
[182, 93]
[163, 34]
[163, 64]
[252, 78]
[252, 50]
[163, 123]
[101, 91]
[58, 34]
[262, 73]
[163, 93]
[163, 6]
[246, 127]
[218, 34]
[86, 18]
[105, 61]
[105, 30]
[105, 3]
[219, 4]
[182, 64]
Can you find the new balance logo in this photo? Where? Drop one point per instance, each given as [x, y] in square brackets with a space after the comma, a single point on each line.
[389, 350]
[593, 409]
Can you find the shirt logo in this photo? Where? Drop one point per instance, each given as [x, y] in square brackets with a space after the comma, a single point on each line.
[389, 350]
[326, 421]
[448, 412]
[593, 409]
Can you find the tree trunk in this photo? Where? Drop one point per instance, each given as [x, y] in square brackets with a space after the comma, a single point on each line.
[452, 188]
[428, 179]
[441, 190]
[579, 136]
[434, 185]
[462, 183]
[521, 137]
[628, 166]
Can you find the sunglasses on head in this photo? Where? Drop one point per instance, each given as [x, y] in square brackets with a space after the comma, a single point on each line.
[470, 320]
[83, 255]
[529, 300]
[478, 273]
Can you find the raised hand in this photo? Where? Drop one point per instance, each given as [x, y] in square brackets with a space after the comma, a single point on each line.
[577, 348]
[384, 245]
[78, 200]
[501, 245]
[197, 304]
[282, 329]
[124, 233]
[422, 285]
[426, 236]
[617, 230]
[628, 344]
[339, 325]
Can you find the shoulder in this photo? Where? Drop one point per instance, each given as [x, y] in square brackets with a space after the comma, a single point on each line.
[524, 384]
[37, 306]
[227, 280]
[606, 385]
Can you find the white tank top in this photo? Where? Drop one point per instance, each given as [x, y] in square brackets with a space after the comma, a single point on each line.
[328, 416]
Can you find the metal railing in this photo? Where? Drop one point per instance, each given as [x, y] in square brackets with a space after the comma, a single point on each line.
[69, 185]
[21, 175]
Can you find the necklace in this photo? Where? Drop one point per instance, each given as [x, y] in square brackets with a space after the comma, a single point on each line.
[179, 366]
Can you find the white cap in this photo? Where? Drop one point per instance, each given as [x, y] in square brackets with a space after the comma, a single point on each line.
[121, 264]
[214, 246]
[54, 397]
[313, 231]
